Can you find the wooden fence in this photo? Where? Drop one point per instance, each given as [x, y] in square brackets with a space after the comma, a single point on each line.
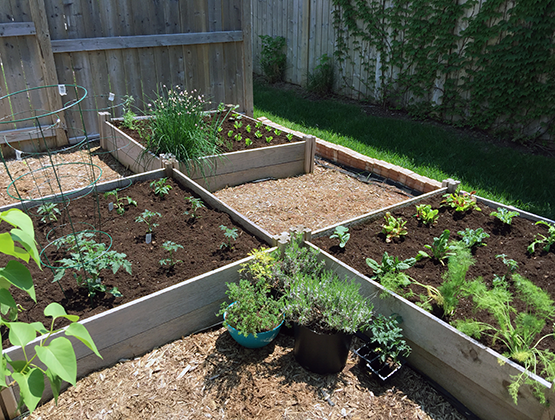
[122, 47]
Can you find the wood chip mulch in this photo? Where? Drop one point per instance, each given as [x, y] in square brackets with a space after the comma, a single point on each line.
[209, 375]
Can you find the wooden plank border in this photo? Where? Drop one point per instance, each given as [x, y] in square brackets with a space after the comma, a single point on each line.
[143, 41]
[464, 367]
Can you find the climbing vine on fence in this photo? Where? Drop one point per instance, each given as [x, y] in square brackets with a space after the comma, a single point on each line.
[488, 64]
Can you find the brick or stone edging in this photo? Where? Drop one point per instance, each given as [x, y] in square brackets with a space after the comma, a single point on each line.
[345, 156]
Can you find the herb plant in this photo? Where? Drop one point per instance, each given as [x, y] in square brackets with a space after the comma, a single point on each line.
[387, 335]
[128, 114]
[160, 187]
[471, 237]
[540, 239]
[119, 203]
[48, 211]
[147, 217]
[341, 233]
[505, 215]
[426, 215]
[89, 258]
[229, 234]
[461, 201]
[393, 227]
[196, 204]
[171, 248]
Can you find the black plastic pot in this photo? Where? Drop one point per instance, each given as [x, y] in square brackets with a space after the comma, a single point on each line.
[321, 353]
[369, 358]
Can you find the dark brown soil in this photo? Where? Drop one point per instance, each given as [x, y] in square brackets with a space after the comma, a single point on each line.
[228, 132]
[200, 237]
[367, 241]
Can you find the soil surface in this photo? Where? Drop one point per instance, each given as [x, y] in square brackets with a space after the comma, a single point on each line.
[235, 133]
[367, 241]
[209, 375]
[128, 237]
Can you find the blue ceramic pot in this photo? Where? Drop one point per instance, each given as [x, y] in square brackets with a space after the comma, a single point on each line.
[250, 341]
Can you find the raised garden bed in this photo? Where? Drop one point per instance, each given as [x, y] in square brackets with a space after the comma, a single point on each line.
[233, 168]
[466, 368]
[158, 304]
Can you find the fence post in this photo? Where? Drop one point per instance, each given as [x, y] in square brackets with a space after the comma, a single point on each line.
[246, 27]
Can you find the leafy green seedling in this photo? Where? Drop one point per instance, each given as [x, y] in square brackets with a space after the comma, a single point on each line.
[229, 234]
[512, 266]
[248, 142]
[268, 128]
[230, 133]
[237, 124]
[341, 233]
[258, 134]
[289, 136]
[426, 215]
[393, 227]
[277, 132]
[196, 204]
[248, 128]
[147, 217]
[48, 211]
[471, 237]
[128, 115]
[220, 129]
[119, 204]
[238, 137]
[387, 335]
[505, 215]
[258, 124]
[461, 201]
[171, 247]
[160, 187]
[269, 139]
[389, 264]
[540, 239]
[439, 248]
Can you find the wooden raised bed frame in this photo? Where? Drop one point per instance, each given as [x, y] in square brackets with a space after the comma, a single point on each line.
[229, 169]
[465, 368]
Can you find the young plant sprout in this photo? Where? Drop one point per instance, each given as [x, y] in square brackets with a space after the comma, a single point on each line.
[540, 239]
[119, 203]
[471, 237]
[439, 248]
[248, 141]
[341, 233]
[277, 132]
[393, 227]
[258, 124]
[426, 215]
[269, 139]
[237, 124]
[229, 234]
[505, 215]
[147, 217]
[258, 134]
[230, 133]
[248, 128]
[389, 264]
[171, 247]
[48, 211]
[160, 187]
[289, 136]
[238, 137]
[196, 203]
[461, 201]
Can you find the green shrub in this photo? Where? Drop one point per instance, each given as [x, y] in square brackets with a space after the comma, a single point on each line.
[272, 57]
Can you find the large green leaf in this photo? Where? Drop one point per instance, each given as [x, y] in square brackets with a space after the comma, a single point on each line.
[55, 310]
[28, 243]
[21, 333]
[31, 387]
[80, 332]
[18, 275]
[7, 299]
[55, 384]
[60, 358]
[7, 246]
[17, 218]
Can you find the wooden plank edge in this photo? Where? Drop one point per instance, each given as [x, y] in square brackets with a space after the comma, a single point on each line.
[377, 213]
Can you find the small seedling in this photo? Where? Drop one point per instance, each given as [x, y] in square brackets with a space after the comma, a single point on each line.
[540, 239]
[340, 233]
[171, 247]
[461, 201]
[160, 187]
[248, 128]
[258, 134]
[268, 128]
[269, 139]
[237, 125]
[48, 211]
[238, 137]
[258, 124]
[248, 141]
[389, 264]
[128, 115]
[289, 136]
[230, 234]
[277, 132]
[220, 129]
[119, 204]
[147, 217]
[512, 266]
[471, 237]
[505, 215]
[393, 227]
[439, 248]
[196, 203]
[426, 215]
[230, 133]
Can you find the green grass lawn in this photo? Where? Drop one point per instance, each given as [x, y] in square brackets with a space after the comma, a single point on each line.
[499, 173]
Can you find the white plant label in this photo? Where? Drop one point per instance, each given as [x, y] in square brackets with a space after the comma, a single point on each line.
[111, 97]
[148, 238]
[62, 90]
[18, 154]
[110, 206]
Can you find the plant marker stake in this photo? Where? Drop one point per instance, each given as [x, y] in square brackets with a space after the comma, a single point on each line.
[110, 206]
[148, 238]
[111, 97]
[62, 90]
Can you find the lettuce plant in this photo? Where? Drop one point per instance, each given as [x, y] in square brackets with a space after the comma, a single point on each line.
[341, 233]
[426, 215]
[393, 227]
[504, 215]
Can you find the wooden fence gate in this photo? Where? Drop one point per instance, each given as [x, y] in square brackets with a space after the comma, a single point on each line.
[113, 49]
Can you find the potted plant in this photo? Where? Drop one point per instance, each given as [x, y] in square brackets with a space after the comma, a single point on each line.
[254, 316]
[325, 312]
